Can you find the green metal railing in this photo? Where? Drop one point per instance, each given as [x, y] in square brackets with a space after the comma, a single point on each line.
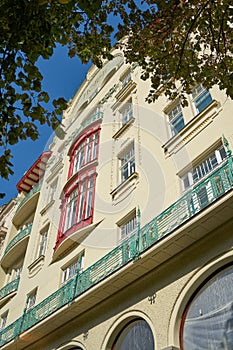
[23, 233]
[33, 190]
[199, 197]
[92, 119]
[9, 288]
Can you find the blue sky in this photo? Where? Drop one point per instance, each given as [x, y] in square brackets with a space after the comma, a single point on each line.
[62, 77]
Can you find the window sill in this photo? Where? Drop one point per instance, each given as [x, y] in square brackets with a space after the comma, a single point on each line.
[123, 128]
[192, 129]
[46, 208]
[125, 187]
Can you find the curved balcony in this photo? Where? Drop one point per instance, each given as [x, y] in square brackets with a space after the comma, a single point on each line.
[27, 205]
[16, 247]
[8, 290]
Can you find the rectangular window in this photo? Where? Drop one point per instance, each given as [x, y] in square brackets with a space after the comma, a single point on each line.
[78, 204]
[31, 299]
[86, 152]
[127, 163]
[75, 267]
[82, 196]
[176, 120]
[3, 320]
[126, 113]
[126, 79]
[17, 272]
[205, 167]
[128, 226]
[201, 97]
[71, 209]
[89, 200]
[79, 160]
[42, 244]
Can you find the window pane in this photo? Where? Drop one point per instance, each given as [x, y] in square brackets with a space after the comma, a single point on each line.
[137, 335]
[127, 164]
[176, 119]
[206, 166]
[208, 323]
[201, 97]
[128, 228]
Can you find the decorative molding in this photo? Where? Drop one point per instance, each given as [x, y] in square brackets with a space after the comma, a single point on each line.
[36, 266]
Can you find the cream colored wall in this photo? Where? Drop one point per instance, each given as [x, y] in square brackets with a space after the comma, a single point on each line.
[156, 187]
[172, 283]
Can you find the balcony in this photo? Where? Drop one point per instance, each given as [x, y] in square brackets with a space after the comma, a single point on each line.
[16, 247]
[27, 205]
[8, 290]
[190, 218]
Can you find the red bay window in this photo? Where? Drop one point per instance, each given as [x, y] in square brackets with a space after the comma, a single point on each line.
[78, 195]
[78, 204]
[85, 150]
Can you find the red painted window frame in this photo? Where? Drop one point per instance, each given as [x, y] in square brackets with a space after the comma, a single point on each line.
[81, 139]
[76, 183]
[85, 173]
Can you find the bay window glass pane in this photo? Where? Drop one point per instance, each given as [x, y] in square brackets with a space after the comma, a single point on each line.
[208, 320]
[81, 202]
[79, 157]
[94, 147]
[89, 198]
[86, 152]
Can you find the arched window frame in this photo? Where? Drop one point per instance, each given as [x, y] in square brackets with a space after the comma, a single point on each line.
[124, 328]
[205, 282]
[87, 146]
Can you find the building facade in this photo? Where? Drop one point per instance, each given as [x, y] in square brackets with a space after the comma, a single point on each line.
[122, 236]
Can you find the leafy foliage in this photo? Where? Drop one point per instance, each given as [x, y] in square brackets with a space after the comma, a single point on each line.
[189, 41]
[181, 40]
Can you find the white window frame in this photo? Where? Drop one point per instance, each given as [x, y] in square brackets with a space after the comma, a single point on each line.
[200, 95]
[42, 243]
[31, 300]
[127, 226]
[127, 163]
[76, 266]
[3, 320]
[126, 112]
[204, 168]
[126, 79]
[175, 117]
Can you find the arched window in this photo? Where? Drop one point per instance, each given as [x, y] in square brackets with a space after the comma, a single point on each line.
[207, 322]
[135, 335]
